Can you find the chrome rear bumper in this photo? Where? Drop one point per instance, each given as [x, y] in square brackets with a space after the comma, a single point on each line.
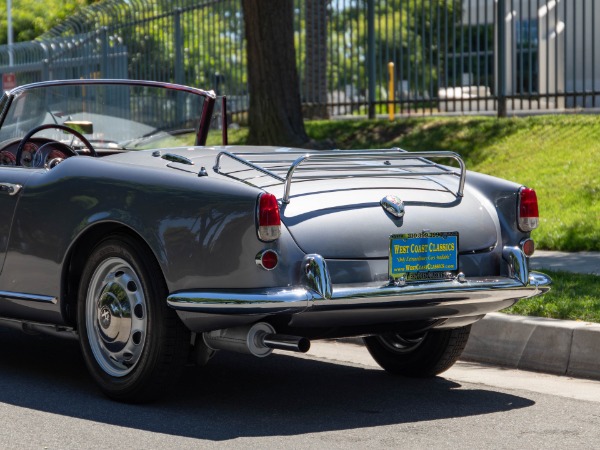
[453, 298]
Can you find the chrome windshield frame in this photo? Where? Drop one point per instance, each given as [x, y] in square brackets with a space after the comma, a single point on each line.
[205, 115]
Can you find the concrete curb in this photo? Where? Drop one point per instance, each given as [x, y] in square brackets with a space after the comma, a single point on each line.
[562, 347]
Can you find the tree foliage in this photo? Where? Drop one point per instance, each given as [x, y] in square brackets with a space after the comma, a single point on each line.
[406, 33]
[31, 18]
[210, 45]
[210, 52]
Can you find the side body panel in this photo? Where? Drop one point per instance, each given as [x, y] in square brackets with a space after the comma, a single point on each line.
[201, 229]
[11, 179]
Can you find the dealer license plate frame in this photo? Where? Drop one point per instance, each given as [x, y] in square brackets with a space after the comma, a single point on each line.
[417, 256]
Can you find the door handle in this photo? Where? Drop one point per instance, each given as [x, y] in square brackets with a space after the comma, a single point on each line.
[10, 188]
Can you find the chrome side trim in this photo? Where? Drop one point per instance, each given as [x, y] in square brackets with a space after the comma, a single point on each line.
[242, 301]
[28, 297]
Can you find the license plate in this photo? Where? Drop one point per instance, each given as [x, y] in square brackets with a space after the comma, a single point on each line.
[424, 256]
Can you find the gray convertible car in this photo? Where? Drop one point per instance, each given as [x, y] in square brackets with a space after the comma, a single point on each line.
[121, 228]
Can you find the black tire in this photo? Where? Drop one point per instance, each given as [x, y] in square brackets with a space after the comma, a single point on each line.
[133, 344]
[421, 356]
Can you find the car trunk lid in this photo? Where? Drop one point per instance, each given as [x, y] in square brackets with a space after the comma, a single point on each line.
[330, 201]
[348, 221]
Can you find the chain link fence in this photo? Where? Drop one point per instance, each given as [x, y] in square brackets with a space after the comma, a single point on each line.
[355, 57]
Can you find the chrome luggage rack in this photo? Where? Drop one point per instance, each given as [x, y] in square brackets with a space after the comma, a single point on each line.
[342, 164]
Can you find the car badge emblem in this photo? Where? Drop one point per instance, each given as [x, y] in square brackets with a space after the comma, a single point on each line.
[105, 317]
[393, 204]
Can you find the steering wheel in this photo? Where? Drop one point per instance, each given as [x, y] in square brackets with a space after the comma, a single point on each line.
[47, 126]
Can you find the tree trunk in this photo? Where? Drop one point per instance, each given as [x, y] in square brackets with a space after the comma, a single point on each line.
[275, 112]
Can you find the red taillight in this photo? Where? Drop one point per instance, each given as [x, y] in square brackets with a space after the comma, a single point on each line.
[269, 222]
[528, 210]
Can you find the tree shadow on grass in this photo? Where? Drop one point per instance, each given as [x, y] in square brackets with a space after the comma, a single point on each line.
[465, 136]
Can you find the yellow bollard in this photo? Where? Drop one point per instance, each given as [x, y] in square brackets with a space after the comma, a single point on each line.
[391, 90]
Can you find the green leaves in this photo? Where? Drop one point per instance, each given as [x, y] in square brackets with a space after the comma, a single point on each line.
[31, 18]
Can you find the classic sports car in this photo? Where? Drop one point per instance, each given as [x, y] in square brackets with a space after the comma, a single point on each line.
[118, 226]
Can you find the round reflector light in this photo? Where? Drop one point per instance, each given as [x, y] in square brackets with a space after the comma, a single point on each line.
[267, 259]
[528, 247]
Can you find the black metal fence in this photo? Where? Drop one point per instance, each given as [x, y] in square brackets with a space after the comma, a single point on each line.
[355, 57]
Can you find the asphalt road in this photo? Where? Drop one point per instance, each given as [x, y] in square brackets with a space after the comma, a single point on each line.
[335, 397]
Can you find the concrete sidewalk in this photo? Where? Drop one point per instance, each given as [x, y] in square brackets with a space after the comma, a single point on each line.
[579, 262]
[562, 347]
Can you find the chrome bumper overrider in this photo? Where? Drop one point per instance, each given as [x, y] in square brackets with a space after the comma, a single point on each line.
[472, 295]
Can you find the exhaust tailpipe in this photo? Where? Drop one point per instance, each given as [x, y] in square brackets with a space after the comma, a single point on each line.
[286, 342]
[259, 340]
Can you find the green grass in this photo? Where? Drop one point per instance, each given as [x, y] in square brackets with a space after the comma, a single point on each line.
[573, 297]
[558, 156]
[234, 136]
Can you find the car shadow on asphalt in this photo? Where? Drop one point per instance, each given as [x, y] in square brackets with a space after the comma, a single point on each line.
[238, 395]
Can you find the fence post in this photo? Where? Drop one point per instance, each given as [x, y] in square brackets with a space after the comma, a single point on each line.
[178, 44]
[371, 56]
[45, 62]
[104, 56]
[391, 92]
[45, 70]
[501, 57]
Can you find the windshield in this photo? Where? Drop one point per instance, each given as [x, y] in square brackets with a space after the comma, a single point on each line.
[114, 115]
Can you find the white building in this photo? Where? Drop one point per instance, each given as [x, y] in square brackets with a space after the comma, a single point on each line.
[552, 54]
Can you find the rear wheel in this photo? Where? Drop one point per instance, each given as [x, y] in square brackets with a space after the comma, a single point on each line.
[424, 355]
[133, 343]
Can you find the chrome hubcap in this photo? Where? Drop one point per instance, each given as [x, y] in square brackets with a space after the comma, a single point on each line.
[116, 317]
[401, 344]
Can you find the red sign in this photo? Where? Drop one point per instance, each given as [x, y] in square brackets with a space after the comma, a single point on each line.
[9, 81]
